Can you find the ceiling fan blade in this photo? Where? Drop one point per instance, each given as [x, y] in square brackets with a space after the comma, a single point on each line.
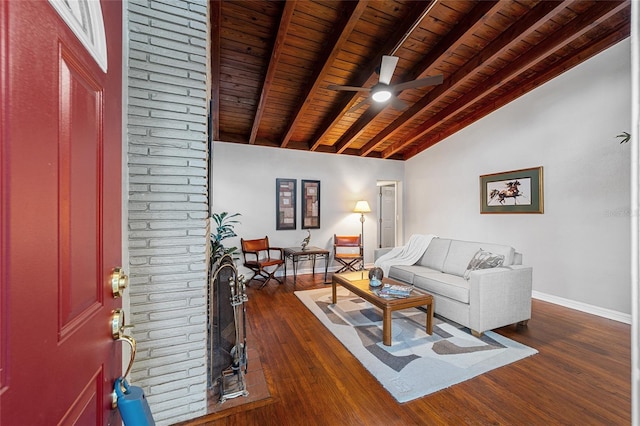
[358, 105]
[427, 81]
[398, 104]
[387, 68]
[349, 88]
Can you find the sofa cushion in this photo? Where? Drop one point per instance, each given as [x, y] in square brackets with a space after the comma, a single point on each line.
[450, 286]
[435, 254]
[483, 260]
[461, 253]
[404, 273]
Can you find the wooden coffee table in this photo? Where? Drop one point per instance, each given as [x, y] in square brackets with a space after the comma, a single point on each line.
[358, 284]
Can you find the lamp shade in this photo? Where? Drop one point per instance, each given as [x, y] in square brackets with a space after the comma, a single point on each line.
[362, 207]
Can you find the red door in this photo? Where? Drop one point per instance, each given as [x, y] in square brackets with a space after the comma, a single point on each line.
[60, 217]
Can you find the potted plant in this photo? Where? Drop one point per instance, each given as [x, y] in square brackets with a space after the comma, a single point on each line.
[224, 228]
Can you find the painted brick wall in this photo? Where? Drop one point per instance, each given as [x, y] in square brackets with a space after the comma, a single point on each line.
[168, 208]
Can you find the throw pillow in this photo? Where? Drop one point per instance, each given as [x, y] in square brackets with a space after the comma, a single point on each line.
[483, 260]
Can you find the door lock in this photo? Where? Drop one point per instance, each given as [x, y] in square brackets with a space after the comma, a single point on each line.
[119, 281]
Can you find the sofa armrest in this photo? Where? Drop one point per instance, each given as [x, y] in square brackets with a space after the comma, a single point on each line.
[517, 258]
[380, 251]
[499, 296]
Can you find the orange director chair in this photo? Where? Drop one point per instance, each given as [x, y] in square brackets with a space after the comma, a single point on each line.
[262, 259]
[347, 249]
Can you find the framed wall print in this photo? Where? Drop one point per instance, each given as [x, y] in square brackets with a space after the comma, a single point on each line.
[310, 204]
[285, 204]
[517, 191]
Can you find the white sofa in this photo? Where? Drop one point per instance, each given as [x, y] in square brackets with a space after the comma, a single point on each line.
[490, 298]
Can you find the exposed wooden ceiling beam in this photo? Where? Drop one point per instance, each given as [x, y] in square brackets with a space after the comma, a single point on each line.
[521, 28]
[578, 27]
[273, 95]
[285, 21]
[449, 43]
[604, 42]
[350, 17]
[417, 14]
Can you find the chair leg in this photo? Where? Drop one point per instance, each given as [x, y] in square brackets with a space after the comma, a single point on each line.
[348, 266]
[354, 266]
[259, 276]
[263, 284]
[253, 277]
[268, 276]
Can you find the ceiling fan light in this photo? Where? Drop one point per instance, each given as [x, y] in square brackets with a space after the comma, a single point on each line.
[381, 95]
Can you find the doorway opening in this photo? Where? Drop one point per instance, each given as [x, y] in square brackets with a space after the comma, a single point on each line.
[388, 213]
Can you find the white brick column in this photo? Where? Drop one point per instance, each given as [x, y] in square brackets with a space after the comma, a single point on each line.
[168, 207]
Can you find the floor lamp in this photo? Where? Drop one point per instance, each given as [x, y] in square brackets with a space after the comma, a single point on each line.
[362, 207]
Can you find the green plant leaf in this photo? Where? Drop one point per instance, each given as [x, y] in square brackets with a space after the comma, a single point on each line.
[625, 137]
[224, 228]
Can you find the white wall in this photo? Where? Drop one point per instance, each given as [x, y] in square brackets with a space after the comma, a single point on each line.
[579, 248]
[244, 181]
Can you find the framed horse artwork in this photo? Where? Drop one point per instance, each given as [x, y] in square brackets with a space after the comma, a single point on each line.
[517, 191]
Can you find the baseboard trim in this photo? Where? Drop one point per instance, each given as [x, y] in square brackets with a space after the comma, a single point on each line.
[583, 307]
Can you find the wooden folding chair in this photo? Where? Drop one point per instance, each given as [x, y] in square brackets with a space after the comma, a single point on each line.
[262, 259]
[347, 250]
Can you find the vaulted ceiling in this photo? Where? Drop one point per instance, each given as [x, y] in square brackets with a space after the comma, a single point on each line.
[274, 61]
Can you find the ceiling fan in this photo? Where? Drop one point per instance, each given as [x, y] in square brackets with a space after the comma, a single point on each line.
[383, 90]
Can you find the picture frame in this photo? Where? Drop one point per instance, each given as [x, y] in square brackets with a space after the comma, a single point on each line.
[310, 202]
[285, 204]
[516, 191]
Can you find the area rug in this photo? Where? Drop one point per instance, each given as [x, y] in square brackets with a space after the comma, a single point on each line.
[416, 364]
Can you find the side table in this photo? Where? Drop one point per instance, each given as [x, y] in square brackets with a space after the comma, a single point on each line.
[309, 253]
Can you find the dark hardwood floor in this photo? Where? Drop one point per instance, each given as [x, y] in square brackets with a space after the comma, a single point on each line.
[581, 375]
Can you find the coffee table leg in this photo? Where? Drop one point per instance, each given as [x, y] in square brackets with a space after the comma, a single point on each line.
[430, 318]
[386, 326]
[334, 297]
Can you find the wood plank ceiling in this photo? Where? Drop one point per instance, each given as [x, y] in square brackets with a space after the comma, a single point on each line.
[272, 63]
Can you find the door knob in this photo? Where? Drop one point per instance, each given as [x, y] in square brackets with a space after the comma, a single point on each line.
[119, 281]
[117, 332]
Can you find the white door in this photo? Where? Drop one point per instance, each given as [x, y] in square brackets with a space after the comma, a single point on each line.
[388, 216]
